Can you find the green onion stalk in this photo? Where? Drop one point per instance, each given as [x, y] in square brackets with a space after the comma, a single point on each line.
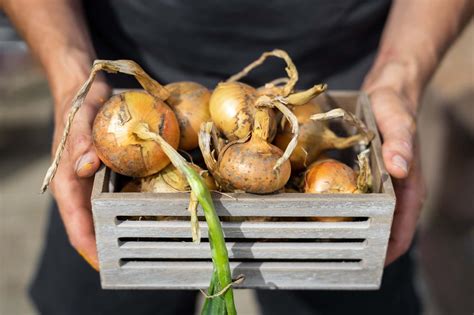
[219, 254]
[223, 301]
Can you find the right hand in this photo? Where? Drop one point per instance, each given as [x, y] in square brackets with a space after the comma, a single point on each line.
[72, 184]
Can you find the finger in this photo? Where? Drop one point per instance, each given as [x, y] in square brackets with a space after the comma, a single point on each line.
[80, 144]
[410, 196]
[73, 197]
[397, 126]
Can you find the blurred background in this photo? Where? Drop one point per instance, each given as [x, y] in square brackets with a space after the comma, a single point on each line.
[445, 251]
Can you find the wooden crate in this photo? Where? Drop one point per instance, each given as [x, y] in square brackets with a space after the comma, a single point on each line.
[293, 253]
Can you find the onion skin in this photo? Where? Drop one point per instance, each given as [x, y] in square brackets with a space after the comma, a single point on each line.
[310, 140]
[232, 109]
[132, 186]
[249, 166]
[170, 179]
[117, 145]
[329, 177]
[190, 103]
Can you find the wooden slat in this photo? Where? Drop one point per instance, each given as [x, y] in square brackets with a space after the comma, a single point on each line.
[243, 250]
[180, 229]
[379, 171]
[196, 275]
[175, 204]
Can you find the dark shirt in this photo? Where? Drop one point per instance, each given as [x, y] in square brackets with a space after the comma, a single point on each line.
[209, 40]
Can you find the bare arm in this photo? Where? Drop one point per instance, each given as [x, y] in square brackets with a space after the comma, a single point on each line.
[56, 33]
[414, 41]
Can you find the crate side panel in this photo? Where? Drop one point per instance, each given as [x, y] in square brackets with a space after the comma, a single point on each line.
[106, 239]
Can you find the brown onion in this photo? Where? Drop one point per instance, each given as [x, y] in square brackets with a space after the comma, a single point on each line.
[329, 177]
[314, 138]
[248, 166]
[190, 103]
[232, 108]
[170, 179]
[117, 145]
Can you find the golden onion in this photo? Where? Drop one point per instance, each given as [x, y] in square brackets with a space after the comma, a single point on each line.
[190, 103]
[117, 145]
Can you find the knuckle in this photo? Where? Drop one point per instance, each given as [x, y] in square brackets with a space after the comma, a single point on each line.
[82, 140]
[78, 144]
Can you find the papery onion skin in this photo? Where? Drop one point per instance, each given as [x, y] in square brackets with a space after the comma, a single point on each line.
[310, 142]
[116, 144]
[190, 103]
[232, 109]
[329, 177]
[170, 179]
[177, 180]
[249, 167]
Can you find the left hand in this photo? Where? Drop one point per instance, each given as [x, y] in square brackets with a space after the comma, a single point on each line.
[396, 121]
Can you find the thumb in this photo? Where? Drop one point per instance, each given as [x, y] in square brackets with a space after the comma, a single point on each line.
[397, 126]
[81, 145]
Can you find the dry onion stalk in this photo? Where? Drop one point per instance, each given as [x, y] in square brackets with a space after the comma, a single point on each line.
[233, 104]
[315, 135]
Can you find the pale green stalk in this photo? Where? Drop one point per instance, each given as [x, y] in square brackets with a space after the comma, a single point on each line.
[219, 253]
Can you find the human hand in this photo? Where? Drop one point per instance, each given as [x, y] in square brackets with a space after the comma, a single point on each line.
[395, 116]
[72, 184]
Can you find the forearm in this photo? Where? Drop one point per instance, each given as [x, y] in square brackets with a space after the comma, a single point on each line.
[57, 35]
[414, 41]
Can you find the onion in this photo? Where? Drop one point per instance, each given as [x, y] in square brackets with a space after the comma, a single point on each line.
[332, 176]
[309, 144]
[329, 177]
[157, 94]
[133, 185]
[170, 179]
[247, 165]
[116, 144]
[190, 103]
[315, 136]
[232, 108]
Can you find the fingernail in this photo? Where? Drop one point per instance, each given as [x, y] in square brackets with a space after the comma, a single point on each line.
[93, 264]
[400, 162]
[84, 164]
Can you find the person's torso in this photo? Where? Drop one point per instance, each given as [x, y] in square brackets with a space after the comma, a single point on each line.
[209, 40]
